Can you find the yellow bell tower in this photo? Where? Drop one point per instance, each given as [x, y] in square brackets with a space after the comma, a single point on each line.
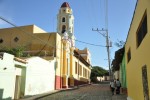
[65, 22]
[65, 27]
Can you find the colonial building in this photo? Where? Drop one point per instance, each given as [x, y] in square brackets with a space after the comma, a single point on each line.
[11, 70]
[72, 66]
[137, 54]
[27, 77]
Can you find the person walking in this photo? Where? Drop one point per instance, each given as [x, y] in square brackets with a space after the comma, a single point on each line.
[118, 85]
[112, 86]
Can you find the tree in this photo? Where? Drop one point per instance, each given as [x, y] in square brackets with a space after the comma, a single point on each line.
[118, 59]
[120, 43]
[18, 52]
[118, 55]
[97, 71]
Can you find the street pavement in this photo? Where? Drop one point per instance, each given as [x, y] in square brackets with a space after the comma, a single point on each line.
[88, 92]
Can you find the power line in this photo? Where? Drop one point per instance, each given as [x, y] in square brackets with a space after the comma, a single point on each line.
[106, 35]
[24, 31]
[90, 43]
[41, 39]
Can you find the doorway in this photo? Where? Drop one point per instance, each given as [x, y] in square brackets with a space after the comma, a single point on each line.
[17, 87]
[145, 83]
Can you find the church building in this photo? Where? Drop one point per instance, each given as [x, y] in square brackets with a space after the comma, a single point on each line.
[72, 66]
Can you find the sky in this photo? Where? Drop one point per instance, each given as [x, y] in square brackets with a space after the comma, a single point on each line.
[88, 14]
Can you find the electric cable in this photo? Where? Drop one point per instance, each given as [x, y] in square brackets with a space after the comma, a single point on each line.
[41, 39]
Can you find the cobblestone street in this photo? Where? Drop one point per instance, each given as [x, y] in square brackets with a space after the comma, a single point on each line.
[89, 92]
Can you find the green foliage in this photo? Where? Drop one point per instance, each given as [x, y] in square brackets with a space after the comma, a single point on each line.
[118, 59]
[120, 44]
[97, 71]
[18, 52]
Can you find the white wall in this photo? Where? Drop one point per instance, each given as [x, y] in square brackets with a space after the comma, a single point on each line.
[7, 77]
[101, 78]
[116, 75]
[40, 76]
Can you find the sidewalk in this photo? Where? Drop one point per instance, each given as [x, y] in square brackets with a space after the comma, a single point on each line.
[119, 97]
[34, 97]
[39, 95]
[100, 91]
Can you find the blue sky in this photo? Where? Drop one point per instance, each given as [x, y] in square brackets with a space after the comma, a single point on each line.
[88, 14]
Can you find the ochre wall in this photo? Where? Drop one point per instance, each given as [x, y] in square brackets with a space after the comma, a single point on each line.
[45, 42]
[139, 56]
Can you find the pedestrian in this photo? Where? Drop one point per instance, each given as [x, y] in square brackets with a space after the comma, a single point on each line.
[118, 85]
[112, 86]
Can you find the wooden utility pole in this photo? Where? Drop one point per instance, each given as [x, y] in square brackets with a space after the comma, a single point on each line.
[108, 43]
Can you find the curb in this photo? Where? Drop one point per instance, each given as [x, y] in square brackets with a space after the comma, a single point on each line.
[38, 96]
[55, 92]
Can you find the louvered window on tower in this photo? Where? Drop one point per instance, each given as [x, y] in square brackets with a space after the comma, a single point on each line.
[63, 19]
[63, 29]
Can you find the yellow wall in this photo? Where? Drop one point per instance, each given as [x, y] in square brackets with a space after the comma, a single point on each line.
[50, 44]
[88, 69]
[58, 55]
[28, 39]
[139, 56]
[8, 35]
[38, 30]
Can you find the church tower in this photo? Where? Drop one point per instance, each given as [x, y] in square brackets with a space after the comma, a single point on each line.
[65, 22]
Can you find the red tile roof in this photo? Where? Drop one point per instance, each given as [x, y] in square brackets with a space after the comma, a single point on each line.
[65, 4]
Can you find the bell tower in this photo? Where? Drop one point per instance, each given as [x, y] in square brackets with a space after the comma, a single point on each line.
[65, 22]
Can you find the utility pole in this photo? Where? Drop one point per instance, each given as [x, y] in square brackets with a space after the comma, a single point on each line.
[108, 45]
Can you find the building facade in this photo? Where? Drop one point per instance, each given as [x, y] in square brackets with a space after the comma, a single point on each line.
[72, 66]
[39, 77]
[27, 77]
[123, 79]
[11, 76]
[137, 53]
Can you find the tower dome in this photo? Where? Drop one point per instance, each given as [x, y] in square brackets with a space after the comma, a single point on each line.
[65, 4]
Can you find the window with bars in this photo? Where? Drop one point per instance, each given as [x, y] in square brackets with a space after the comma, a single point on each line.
[80, 70]
[76, 65]
[142, 30]
[129, 55]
